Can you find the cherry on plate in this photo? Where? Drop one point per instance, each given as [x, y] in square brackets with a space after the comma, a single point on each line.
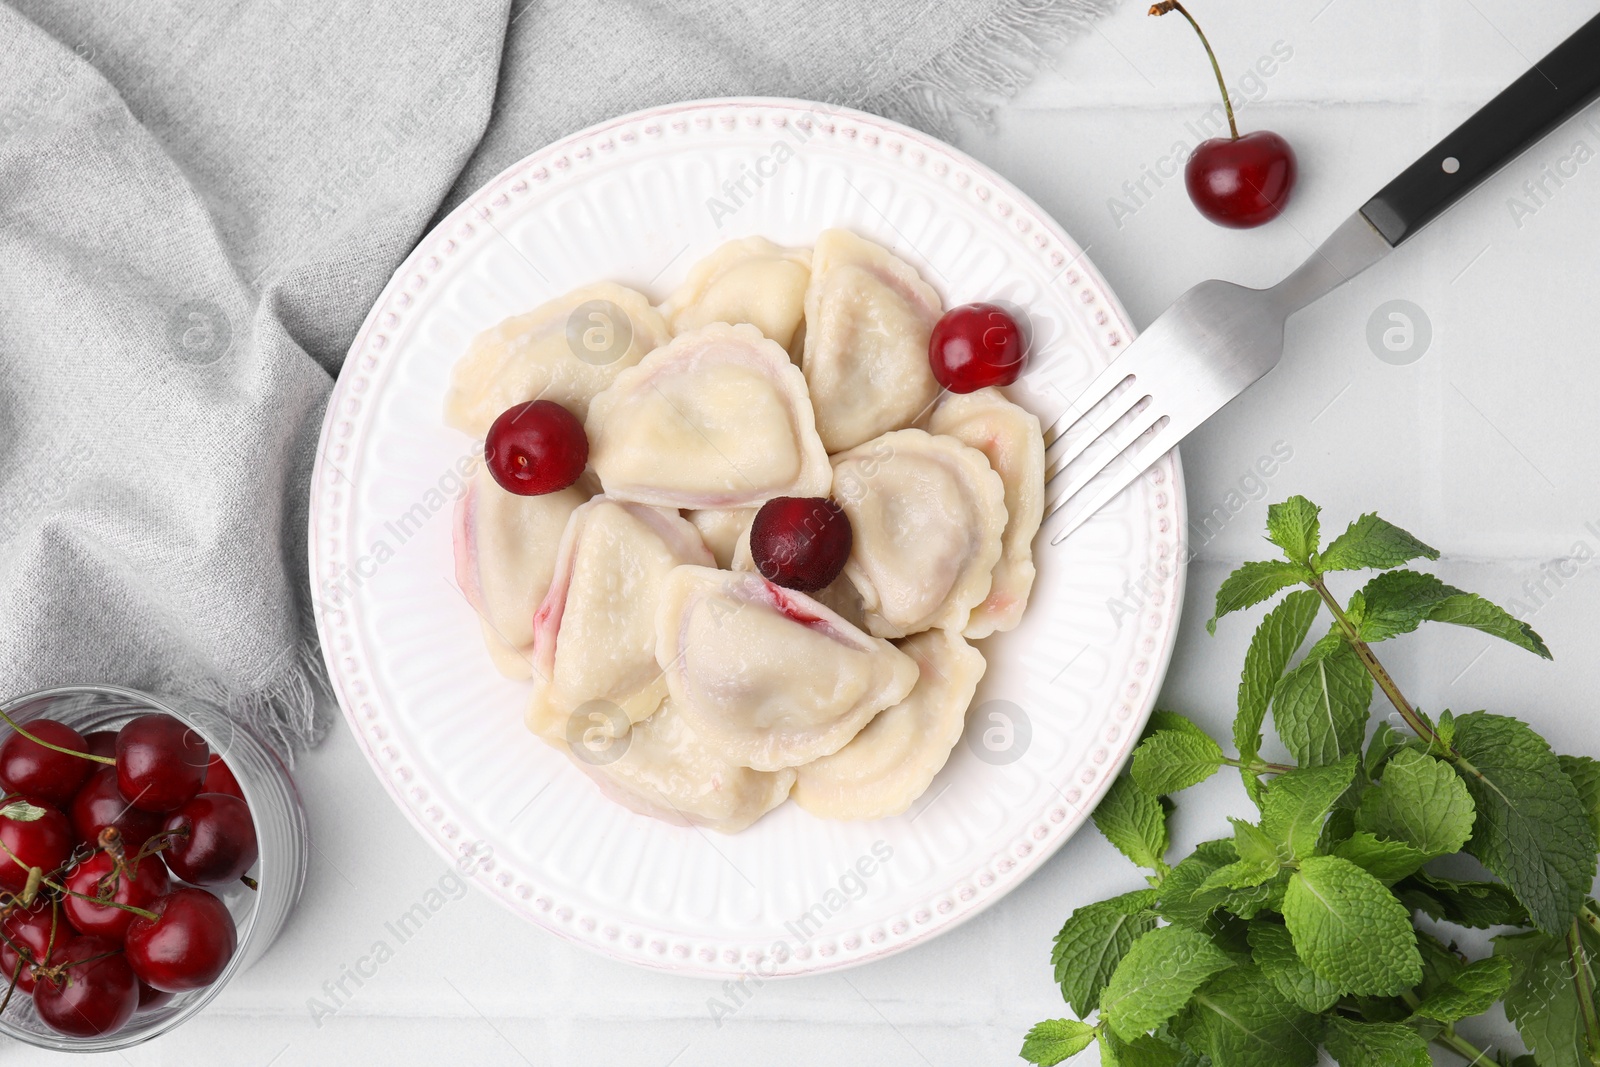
[29, 930]
[98, 877]
[187, 945]
[100, 804]
[33, 770]
[160, 762]
[976, 345]
[87, 999]
[213, 840]
[800, 542]
[536, 448]
[45, 842]
[219, 778]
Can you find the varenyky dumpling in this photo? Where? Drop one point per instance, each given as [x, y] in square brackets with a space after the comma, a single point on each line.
[926, 514]
[767, 675]
[718, 418]
[594, 633]
[1013, 442]
[868, 319]
[724, 530]
[750, 280]
[565, 350]
[505, 549]
[663, 769]
[892, 760]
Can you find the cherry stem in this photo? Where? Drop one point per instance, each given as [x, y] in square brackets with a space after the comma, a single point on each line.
[55, 748]
[249, 881]
[102, 902]
[1227, 105]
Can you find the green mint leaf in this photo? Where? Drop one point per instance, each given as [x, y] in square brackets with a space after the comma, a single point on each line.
[1143, 1052]
[1440, 964]
[1054, 1040]
[1533, 828]
[1471, 992]
[21, 811]
[1180, 899]
[1320, 708]
[1135, 822]
[1252, 583]
[1294, 527]
[1171, 760]
[1297, 803]
[1420, 801]
[1248, 901]
[1445, 728]
[1356, 1044]
[1171, 720]
[1241, 874]
[1476, 905]
[1386, 741]
[1369, 543]
[1387, 861]
[1092, 943]
[1541, 1000]
[1471, 610]
[1273, 950]
[1398, 602]
[1276, 639]
[1350, 929]
[1585, 775]
[1239, 1019]
[1157, 977]
[1252, 844]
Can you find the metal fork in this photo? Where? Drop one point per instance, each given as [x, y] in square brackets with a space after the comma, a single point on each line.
[1219, 338]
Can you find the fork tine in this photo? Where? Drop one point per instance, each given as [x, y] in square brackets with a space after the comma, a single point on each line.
[1117, 441]
[1096, 391]
[1164, 441]
[1119, 408]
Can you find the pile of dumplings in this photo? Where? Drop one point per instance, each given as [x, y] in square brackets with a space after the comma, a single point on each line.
[670, 671]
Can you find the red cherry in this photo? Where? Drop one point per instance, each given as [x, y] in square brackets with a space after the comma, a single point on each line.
[187, 946]
[160, 762]
[800, 542]
[536, 448]
[45, 842]
[1243, 182]
[30, 930]
[219, 779]
[151, 997]
[94, 876]
[975, 345]
[87, 999]
[100, 804]
[214, 840]
[101, 743]
[37, 771]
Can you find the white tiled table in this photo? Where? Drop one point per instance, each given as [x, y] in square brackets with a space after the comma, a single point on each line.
[1484, 447]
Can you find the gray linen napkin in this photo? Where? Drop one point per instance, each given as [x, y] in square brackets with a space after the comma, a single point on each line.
[199, 202]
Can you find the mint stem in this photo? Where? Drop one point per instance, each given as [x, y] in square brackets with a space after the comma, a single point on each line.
[1363, 652]
[1461, 1046]
[1583, 982]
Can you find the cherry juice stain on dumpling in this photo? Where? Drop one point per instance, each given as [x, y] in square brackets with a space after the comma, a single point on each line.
[718, 418]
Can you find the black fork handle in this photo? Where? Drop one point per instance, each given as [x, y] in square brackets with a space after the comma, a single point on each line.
[1558, 87]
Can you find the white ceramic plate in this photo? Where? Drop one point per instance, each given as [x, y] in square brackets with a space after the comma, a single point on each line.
[638, 200]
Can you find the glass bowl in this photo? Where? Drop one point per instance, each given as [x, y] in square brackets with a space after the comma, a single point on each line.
[281, 833]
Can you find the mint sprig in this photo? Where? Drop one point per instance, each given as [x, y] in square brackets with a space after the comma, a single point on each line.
[1298, 930]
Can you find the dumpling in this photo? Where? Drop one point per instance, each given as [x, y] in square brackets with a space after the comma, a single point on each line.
[724, 530]
[718, 418]
[891, 762]
[868, 319]
[505, 549]
[594, 633]
[926, 514]
[1014, 444]
[566, 350]
[663, 769]
[750, 280]
[769, 676]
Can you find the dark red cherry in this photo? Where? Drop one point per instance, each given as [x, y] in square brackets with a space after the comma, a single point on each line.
[100, 804]
[213, 840]
[976, 345]
[160, 762]
[187, 946]
[87, 999]
[95, 878]
[1242, 182]
[800, 542]
[536, 448]
[219, 779]
[36, 771]
[101, 743]
[45, 842]
[29, 930]
[151, 997]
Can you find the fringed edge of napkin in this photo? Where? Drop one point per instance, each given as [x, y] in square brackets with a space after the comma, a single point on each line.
[988, 64]
[283, 709]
